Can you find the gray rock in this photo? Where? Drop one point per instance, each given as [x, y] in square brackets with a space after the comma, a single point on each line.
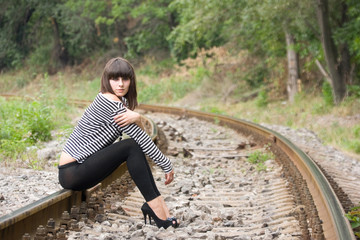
[137, 233]
[106, 223]
[47, 153]
[166, 235]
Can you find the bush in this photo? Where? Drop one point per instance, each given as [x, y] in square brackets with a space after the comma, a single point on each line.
[352, 145]
[39, 58]
[10, 55]
[22, 125]
[354, 218]
[327, 94]
[259, 157]
[354, 91]
[255, 76]
[262, 99]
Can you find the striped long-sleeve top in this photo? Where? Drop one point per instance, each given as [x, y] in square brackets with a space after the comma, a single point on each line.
[97, 129]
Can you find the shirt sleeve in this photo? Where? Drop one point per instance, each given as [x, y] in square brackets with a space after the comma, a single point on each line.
[147, 145]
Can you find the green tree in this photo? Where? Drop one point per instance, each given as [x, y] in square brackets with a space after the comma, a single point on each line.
[338, 22]
[134, 27]
[201, 24]
[154, 21]
[73, 35]
[14, 17]
[331, 54]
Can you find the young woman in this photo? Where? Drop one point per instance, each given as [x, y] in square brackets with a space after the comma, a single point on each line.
[90, 154]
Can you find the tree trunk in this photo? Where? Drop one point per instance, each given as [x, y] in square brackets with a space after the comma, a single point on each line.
[337, 82]
[120, 30]
[58, 55]
[345, 64]
[293, 67]
[20, 37]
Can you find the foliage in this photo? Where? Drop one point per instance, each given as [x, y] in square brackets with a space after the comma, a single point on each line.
[133, 26]
[69, 31]
[327, 94]
[40, 34]
[345, 137]
[155, 68]
[255, 76]
[23, 124]
[320, 108]
[262, 99]
[354, 218]
[212, 109]
[350, 140]
[10, 55]
[259, 158]
[169, 89]
[11, 32]
[349, 32]
[154, 27]
[151, 93]
[354, 91]
[194, 32]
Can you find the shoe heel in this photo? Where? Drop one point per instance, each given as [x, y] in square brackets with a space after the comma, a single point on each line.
[144, 217]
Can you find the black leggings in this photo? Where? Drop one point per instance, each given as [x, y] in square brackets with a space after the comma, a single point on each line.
[80, 176]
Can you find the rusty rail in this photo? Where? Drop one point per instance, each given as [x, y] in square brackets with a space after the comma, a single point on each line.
[328, 207]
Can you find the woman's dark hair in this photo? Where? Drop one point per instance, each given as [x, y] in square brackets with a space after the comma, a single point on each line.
[119, 67]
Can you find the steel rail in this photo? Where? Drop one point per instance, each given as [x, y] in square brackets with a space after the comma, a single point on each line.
[334, 223]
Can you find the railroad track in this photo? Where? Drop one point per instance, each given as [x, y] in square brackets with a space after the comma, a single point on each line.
[303, 203]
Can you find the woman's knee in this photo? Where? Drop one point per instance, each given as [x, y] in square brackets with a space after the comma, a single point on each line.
[132, 146]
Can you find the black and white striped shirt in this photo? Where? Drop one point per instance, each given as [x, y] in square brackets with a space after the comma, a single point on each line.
[97, 129]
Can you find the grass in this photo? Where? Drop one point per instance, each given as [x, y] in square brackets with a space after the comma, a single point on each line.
[23, 124]
[27, 123]
[334, 125]
[197, 85]
[259, 158]
[153, 88]
[354, 218]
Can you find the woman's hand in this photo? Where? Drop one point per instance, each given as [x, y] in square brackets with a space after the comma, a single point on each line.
[169, 177]
[126, 118]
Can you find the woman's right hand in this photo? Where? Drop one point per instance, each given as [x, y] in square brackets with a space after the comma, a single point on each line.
[169, 177]
[126, 118]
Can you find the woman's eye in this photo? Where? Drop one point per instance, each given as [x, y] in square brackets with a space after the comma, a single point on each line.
[118, 79]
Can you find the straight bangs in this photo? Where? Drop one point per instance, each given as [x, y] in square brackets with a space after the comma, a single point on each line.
[120, 69]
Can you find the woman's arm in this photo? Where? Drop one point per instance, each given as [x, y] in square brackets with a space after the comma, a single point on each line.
[127, 118]
[147, 145]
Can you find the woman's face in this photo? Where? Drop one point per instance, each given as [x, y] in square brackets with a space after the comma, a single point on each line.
[120, 86]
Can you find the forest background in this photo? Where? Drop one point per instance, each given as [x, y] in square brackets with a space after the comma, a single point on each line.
[286, 62]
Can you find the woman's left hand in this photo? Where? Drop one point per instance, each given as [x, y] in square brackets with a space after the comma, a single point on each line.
[126, 118]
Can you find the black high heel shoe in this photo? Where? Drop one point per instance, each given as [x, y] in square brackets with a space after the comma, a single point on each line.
[147, 211]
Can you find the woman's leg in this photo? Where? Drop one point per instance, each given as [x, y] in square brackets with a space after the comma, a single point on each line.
[140, 172]
[101, 164]
[141, 176]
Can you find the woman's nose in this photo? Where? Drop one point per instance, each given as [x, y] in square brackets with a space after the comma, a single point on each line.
[121, 83]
